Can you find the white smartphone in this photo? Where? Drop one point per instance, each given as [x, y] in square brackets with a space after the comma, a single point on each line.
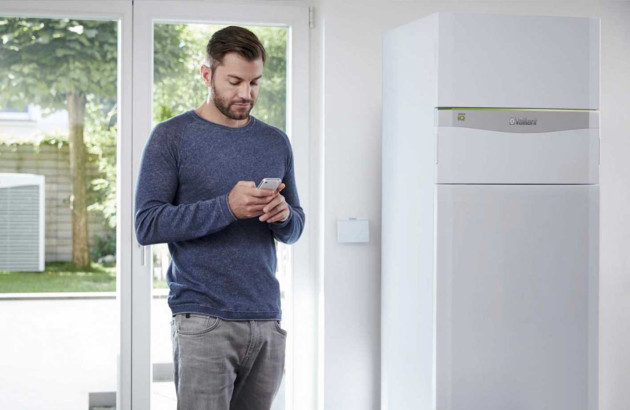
[270, 183]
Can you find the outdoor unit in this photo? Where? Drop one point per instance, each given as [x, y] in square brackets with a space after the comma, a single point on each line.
[22, 223]
[490, 228]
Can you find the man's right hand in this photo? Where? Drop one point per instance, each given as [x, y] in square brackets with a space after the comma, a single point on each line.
[247, 201]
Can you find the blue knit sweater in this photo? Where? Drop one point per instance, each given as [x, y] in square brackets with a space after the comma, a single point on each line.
[220, 265]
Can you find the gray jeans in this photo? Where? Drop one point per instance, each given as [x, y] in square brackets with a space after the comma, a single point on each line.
[226, 364]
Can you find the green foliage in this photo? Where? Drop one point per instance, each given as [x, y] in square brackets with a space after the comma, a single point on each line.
[100, 140]
[103, 245]
[271, 105]
[178, 86]
[44, 59]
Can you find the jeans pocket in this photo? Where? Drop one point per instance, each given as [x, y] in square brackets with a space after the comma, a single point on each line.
[279, 329]
[196, 324]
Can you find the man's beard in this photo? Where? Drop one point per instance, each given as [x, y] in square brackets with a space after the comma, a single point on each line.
[224, 107]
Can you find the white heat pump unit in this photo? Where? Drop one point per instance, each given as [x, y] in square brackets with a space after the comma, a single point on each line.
[490, 222]
[22, 228]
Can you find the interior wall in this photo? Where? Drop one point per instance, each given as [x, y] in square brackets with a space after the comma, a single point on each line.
[346, 45]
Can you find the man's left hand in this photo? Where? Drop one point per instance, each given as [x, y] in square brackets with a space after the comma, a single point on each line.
[277, 209]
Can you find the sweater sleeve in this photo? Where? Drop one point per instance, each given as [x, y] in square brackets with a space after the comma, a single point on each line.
[290, 230]
[156, 218]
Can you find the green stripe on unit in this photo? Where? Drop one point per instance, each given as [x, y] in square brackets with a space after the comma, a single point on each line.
[513, 109]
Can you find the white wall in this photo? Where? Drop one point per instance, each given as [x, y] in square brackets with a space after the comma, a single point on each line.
[346, 43]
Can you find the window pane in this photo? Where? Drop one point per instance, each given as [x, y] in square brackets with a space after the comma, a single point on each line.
[58, 139]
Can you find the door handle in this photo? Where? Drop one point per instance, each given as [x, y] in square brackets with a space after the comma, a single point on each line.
[142, 252]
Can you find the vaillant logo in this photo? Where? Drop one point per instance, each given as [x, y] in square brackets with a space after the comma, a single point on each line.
[522, 121]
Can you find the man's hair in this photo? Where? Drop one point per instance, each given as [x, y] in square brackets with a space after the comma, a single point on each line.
[233, 39]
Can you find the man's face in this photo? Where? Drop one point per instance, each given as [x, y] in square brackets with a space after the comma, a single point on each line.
[234, 85]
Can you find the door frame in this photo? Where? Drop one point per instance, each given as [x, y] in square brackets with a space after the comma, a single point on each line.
[301, 385]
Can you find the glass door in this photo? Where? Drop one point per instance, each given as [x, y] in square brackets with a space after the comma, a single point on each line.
[65, 204]
[170, 39]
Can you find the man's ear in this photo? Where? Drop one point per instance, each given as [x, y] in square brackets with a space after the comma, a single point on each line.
[206, 74]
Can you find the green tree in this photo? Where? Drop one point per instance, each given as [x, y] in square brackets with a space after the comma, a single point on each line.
[56, 64]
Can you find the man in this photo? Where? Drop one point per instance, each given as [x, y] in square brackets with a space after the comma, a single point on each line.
[197, 191]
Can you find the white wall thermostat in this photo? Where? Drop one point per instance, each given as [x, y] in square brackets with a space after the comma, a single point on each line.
[353, 230]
